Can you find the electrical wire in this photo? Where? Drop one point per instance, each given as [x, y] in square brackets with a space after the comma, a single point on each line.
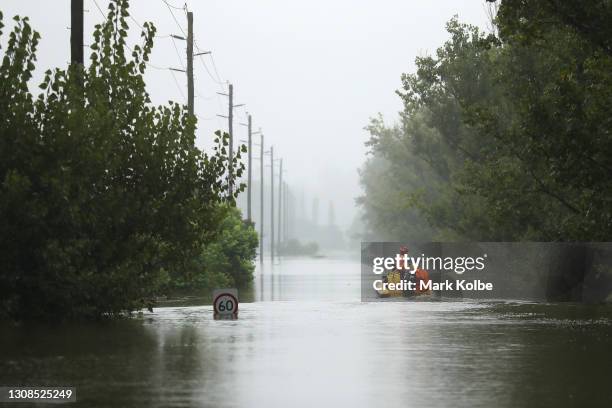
[210, 74]
[213, 75]
[218, 79]
[178, 85]
[99, 9]
[215, 67]
[174, 7]
[178, 54]
[130, 48]
[170, 7]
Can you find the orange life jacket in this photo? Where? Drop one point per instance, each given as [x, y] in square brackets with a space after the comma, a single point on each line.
[421, 275]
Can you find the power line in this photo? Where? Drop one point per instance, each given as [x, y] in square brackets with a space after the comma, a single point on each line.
[141, 26]
[215, 67]
[178, 85]
[178, 54]
[99, 9]
[218, 79]
[219, 102]
[136, 22]
[130, 48]
[174, 7]
[213, 75]
[170, 7]
[210, 74]
[149, 64]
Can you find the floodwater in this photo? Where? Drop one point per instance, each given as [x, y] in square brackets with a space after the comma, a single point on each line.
[307, 340]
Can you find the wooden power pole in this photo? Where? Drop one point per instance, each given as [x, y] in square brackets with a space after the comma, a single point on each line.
[230, 126]
[230, 118]
[76, 32]
[249, 172]
[286, 212]
[190, 63]
[261, 199]
[280, 203]
[272, 203]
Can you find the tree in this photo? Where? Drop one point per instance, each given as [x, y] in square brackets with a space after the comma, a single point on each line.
[526, 21]
[513, 134]
[393, 179]
[103, 197]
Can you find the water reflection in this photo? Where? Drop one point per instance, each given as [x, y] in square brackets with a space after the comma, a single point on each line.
[308, 341]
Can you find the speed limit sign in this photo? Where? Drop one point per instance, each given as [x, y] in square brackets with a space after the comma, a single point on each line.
[225, 301]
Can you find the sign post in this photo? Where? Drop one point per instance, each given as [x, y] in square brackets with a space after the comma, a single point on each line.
[225, 302]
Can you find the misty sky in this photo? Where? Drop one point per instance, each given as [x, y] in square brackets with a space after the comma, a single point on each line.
[310, 72]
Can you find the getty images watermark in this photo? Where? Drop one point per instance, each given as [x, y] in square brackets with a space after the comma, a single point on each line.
[486, 270]
[408, 267]
[406, 274]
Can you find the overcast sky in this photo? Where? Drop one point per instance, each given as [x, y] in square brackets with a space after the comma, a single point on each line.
[310, 72]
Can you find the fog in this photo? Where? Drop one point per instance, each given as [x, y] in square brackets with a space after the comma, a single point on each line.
[311, 72]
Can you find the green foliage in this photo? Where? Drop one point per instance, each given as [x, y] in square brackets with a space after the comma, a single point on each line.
[103, 197]
[226, 261]
[294, 247]
[392, 179]
[501, 138]
[234, 250]
[526, 21]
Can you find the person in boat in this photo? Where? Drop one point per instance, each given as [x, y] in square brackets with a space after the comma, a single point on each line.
[419, 275]
[403, 271]
[399, 273]
[403, 266]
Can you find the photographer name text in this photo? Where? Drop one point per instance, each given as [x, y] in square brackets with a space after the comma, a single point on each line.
[462, 285]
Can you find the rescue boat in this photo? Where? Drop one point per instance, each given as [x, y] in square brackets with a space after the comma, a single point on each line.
[395, 278]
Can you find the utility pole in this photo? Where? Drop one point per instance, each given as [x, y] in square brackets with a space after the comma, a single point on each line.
[280, 202]
[249, 170]
[230, 118]
[261, 203]
[272, 203]
[189, 68]
[286, 213]
[190, 63]
[76, 32]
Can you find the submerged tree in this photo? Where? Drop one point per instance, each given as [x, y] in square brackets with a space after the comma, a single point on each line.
[103, 197]
[514, 132]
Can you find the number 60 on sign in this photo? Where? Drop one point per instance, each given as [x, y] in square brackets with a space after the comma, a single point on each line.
[225, 301]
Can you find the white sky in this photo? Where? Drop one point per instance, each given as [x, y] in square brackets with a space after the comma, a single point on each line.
[311, 72]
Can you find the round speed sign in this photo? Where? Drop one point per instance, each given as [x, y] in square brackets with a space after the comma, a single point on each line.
[225, 303]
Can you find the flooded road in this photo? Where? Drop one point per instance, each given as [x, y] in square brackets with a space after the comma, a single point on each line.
[308, 341]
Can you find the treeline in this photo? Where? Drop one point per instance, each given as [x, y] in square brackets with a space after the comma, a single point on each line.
[504, 136]
[105, 202]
